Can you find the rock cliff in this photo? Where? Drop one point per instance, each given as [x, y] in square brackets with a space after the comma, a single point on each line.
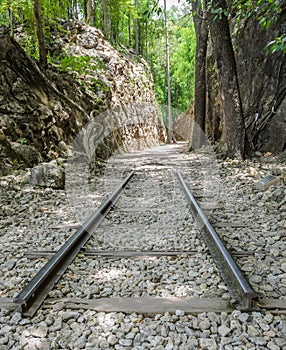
[262, 79]
[90, 83]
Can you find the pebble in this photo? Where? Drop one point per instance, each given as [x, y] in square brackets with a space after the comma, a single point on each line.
[272, 346]
[205, 324]
[252, 331]
[28, 228]
[40, 332]
[223, 330]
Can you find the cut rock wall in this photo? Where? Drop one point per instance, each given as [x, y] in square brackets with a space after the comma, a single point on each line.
[43, 111]
[262, 79]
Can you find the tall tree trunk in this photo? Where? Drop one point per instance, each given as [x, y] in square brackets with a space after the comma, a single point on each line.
[129, 31]
[227, 76]
[85, 8]
[40, 34]
[95, 13]
[74, 13]
[169, 111]
[112, 31]
[88, 11]
[11, 17]
[105, 18]
[136, 30]
[146, 42]
[201, 29]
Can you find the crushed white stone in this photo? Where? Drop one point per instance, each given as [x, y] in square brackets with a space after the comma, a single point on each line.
[151, 215]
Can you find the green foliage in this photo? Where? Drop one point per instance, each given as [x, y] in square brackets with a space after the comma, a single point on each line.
[125, 19]
[119, 14]
[21, 9]
[265, 12]
[217, 11]
[78, 64]
[182, 42]
[23, 141]
[277, 45]
[83, 68]
[57, 9]
[183, 66]
[31, 45]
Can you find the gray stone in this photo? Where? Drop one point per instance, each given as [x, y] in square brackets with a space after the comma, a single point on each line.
[125, 342]
[40, 332]
[209, 344]
[283, 266]
[28, 153]
[280, 341]
[112, 339]
[180, 313]
[4, 340]
[205, 324]
[48, 175]
[5, 41]
[169, 346]
[272, 346]
[252, 331]
[16, 318]
[67, 315]
[223, 330]
[243, 317]
[258, 340]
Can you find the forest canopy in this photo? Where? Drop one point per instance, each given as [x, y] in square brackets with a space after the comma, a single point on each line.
[134, 24]
[139, 25]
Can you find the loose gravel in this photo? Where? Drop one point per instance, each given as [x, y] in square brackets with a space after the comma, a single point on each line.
[152, 214]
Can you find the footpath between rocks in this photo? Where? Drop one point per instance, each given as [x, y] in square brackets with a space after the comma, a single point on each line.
[151, 215]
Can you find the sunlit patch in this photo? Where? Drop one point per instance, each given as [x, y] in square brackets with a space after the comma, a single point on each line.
[109, 275]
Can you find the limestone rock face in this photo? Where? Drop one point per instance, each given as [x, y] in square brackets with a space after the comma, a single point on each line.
[4, 41]
[262, 85]
[132, 119]
[182, 125]
[262, 79]
[43, 111]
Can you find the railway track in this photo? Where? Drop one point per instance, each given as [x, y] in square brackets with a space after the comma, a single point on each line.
[94, 234]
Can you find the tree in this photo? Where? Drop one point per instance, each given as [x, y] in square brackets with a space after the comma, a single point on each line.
[169, 110]
[182, 60]
[11, 17]
[227, 75]
[40, 34]
[88, 11]
[105, 18]
[265, 12]
[201, 28]
[182, 38]
[136, 30]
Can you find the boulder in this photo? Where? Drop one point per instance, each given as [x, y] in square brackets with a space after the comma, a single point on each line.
[48, 175]
[29, 155]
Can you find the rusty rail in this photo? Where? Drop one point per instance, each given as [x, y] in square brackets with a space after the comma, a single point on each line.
[237, 284]
[34, 293]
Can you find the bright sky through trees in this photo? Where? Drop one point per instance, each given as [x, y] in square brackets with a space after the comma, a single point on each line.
[170, 3]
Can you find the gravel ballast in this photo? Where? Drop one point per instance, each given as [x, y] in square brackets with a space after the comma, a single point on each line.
[151, 215]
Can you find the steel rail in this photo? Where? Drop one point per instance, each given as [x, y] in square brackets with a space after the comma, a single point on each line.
[34, 293]
[239, 288]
